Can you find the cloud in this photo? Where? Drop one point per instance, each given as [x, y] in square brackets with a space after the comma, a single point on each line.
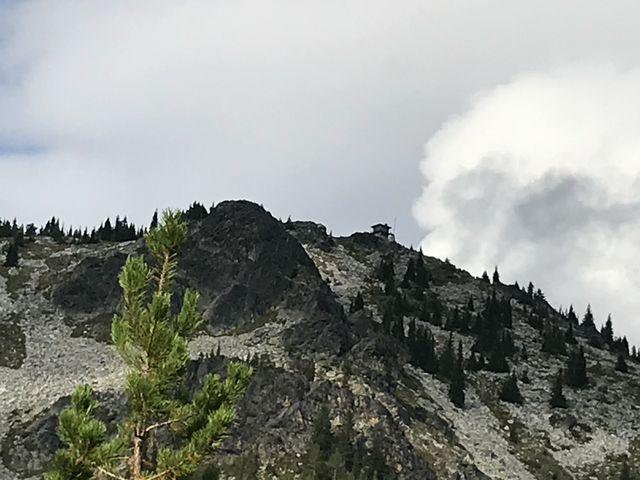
[316, 109]
[541, 176]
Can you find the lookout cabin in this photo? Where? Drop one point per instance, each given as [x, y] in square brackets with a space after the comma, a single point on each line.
[381, 229]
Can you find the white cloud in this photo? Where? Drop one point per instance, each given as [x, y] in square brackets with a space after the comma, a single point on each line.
[540, 176]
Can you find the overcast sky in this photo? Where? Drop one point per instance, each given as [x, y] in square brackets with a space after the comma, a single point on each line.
[492, 132]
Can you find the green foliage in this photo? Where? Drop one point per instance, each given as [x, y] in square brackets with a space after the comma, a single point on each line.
[422, 348]
[553, 340]
[357, 303]
[576, 373]
[569, 336]
[386, 274]
[587, 321]
[557, 400]
[497, 361]
[457, 385]
[607, 331]
[197, 211]
[153, 344]
[509, 391]
[625, 473]
[340, 455]
[11, 259]
[621, 364]
[446, 360]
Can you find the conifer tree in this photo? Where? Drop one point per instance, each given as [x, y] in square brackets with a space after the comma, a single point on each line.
[154, 221]
[496, 276]
[587, 321]
[625, 473]
[485, 277]
[12, 259]
[497, 361]
[509, 391]
[553, 340]
[456, 387]
[569, 336]
[423, 352]
[446, 361]
[421, 275]
[153, 344]
[322, 434]
[607, 331]
[409, 274]
[31, 230]
[470, 305]
[621, 364]
[357, 303]
[106, 232]
[557, 399]
[571, 316]
[577, 369]
[530, 290]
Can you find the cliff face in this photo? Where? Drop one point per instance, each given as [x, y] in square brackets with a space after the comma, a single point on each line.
[280, 293]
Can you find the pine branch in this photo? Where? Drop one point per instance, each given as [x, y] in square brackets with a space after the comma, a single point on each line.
[159, 475]
[155, 426]
[109, 474]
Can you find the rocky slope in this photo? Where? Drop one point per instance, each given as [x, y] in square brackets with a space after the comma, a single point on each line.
[280, 294]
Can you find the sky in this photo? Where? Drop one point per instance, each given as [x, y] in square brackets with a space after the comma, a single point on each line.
[489, 132]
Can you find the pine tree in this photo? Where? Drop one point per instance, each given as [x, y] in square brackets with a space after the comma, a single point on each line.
[106, 232]
[621, 364]
[321, 434]
[31, 230]
[376, 464]
[569, 336]
[485, 277]
[456, 387]
[409, 274]
[154, 221]
[587, 321]
[153, 344]
[571, 316]
[509, 391]
[530, 290]
[577, 369]
[496, 276]
[446, 361]
[421, 275]
[12, 258]
[423, 351]
[553, 340]
[470, 305]
[497, 361]
[607, 331]
[357, 303]
[625, 473]
[557, 399]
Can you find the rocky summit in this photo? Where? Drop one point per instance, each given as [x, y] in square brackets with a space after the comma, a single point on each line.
[437, 374]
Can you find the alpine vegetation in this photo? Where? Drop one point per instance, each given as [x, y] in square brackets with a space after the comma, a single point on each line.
[167, 432]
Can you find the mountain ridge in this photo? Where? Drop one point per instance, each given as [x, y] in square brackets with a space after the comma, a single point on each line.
[282, 293]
